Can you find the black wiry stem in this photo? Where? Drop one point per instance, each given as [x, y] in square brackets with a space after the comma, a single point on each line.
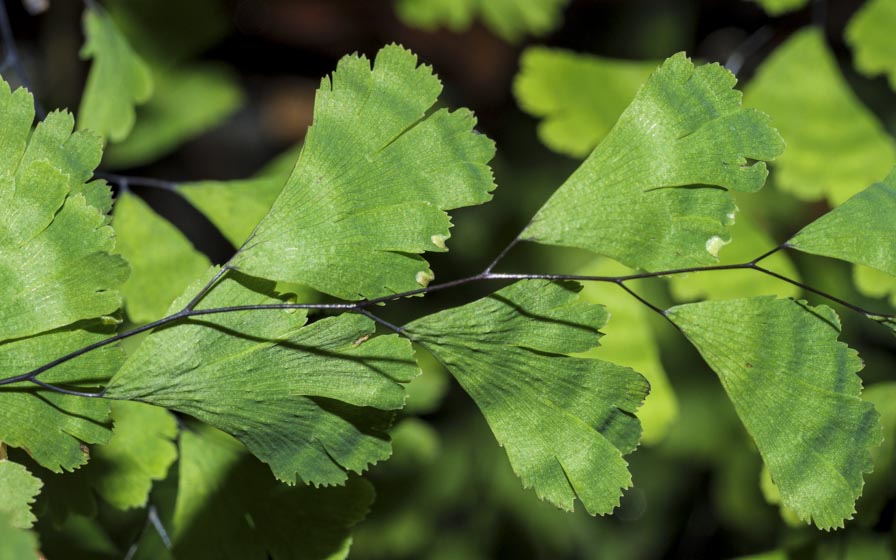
[362, 306]
[381, 321]
[816, 291]
[632, 293]
[502, 254]
[207, 288]
[14, 60]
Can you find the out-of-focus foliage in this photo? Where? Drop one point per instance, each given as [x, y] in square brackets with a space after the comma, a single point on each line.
[875, 283]
[869, 34]
[835, 145]
[510, 19]
[178, 97]
[140, 452]
[578, 96]
[229, 507]
[161, 270]
[188, 101]
[780, 7]
[236, 207]
[119, 79]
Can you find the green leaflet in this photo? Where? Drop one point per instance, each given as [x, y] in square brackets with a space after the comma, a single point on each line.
[229, 507]
[118, 79]
[141, 451]
[512, 20]
[856, 546]
[862, 230]
[644, 196]
[17, 491]
[236, 207]
[163, 261]
[372, 184]
[313, 401]
[632, 344]
[578, 96]
[795, 389]
[48, 425]
[188, 101]
[55, 266]
[869, 35]
[835, 145]
[781, 7]
[15, 543]
[565, 422]
[148, 25]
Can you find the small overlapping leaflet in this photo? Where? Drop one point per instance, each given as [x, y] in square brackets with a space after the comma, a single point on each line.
[118, 79]
[229, 507]
[236, 207]
[862, 230]
[163, 261]
[579, 96]
[512, 20]
[869, 33]
[565, 422]
[312, 401]
[796, 391]
[140, 452]
[835, 145]
[186, 102]
[18, 488]
[57, 277]
[648, 195]
[371, 187]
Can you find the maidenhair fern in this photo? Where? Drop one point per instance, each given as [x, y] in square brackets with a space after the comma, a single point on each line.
[234, 353]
